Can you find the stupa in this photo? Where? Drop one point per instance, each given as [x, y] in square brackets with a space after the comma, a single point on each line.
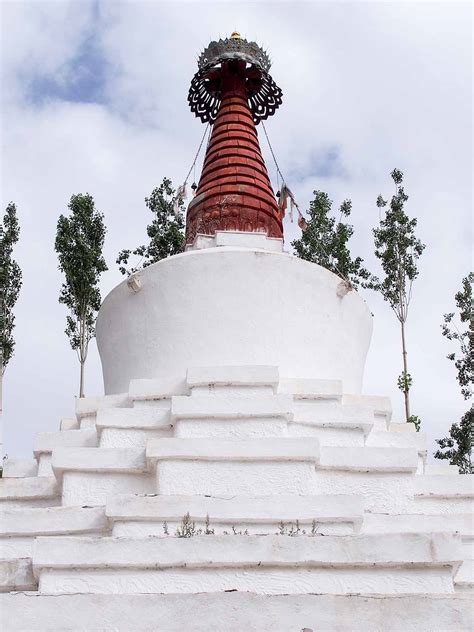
[234, 477]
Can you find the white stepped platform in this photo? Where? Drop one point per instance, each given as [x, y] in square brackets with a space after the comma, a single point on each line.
[20, 527]
[46, 442]
[244, 380]
[235, 467]
[146, 515]
[418, 523]
[29, 491]
[89, 475]
[86, 407]
[69, 423]
[306, 388]
[438, 493]
[132, 427]
[412, 563]
[464, 578]
[238, 612]
[231, 416]
[19, 468]
[16, 575]
[155, 392]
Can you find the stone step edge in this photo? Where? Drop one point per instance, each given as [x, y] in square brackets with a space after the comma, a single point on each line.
[230, 407]
[259, 509]
[239, 611]
[444, 486]
[34, 521]
[120, 460]
[133, 418]
[46, 442]
[252, 375]
[28, 488]
[213, 551]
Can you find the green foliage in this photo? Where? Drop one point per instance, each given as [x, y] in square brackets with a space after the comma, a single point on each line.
[398, 249]
[79, 244]
[404, 382]
[324, 241]
[457, 448]
[414, 419]
[463, 335]
[10, 282]
[166, 231]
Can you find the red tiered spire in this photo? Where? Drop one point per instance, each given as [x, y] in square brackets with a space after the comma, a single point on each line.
[234, 191]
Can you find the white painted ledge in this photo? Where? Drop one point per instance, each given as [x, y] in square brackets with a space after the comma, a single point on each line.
[326, 414]
[369, 459]
[418, 523]
[441, 486]
[88, 406]
[388, 439]
[247, 551]
[306, 388]
[464, 579]
[52, 521]
[219, 407]
[16, 575]
[237, 239]
[237, 611]
[258, 509]
[145, 418]
[441, 468]
[46, 442]
[155, 389]
[123, 460]
[19, 468]
[28, 488]
[268, 449]
[381, 405]
[233, 376]
[69, 423]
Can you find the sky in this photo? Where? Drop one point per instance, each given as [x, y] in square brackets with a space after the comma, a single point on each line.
[94, 100]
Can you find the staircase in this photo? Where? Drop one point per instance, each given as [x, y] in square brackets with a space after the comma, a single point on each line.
[244, 502]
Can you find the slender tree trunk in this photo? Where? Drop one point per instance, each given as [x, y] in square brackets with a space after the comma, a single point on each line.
[405, 373]
[81, 381]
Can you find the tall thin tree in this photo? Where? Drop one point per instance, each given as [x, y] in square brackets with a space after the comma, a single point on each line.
[398, 249]
[457, 447]
[166, 231]
[79, 244]
[10, 285]
[325, 241]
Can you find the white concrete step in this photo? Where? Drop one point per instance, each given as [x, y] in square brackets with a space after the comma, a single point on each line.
[69, 423]
[409, 563]
[86, 407]
[381, 406]
[238, 612]
[231, 416]
[30, 491]
[16, 575]
[464, 578]
[246, 381]
[306, 388]
[145, 515]
[418, 523]
[369, 459]
[46, 442]
[132, 427]
[19, 468]
[89, 475]
[234, 467]
[441, 468]
[388, 439]
[439, 493]
[52, 521]
[155, 392]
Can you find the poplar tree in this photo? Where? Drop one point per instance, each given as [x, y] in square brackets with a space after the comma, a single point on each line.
[10, 285]
[398, 249]
[458, 445]
[324, 241]
[166, 231]
[79, 244]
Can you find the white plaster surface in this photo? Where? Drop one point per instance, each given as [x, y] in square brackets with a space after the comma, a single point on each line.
[93, 488]
[171, 324]
[16, 575]
[131, 437]
[233, 376]
[19, 468]
[237, 612]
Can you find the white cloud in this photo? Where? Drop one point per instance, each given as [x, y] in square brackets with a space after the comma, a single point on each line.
[383, 84]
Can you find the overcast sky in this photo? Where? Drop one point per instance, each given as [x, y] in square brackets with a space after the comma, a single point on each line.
[94, 100]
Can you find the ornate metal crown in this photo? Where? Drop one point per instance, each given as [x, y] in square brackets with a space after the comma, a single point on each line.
[203, 98]
[234, 48]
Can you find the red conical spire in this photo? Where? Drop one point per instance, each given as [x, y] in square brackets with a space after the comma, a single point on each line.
[234, 191]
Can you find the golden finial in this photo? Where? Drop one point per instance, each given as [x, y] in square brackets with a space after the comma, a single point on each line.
[235, 35]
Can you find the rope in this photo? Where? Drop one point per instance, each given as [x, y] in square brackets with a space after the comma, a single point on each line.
[273, 153]
[331, 257]
[197, 153]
